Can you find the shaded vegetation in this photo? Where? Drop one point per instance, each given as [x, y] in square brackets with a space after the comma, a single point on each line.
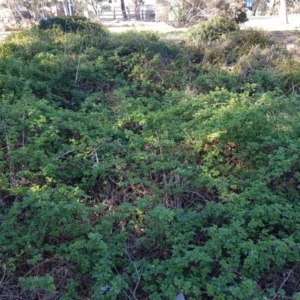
[134, 167]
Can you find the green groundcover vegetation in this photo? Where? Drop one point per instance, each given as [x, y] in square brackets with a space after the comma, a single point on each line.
[138, 166]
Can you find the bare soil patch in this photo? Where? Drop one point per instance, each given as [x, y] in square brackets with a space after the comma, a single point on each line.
[288, 39]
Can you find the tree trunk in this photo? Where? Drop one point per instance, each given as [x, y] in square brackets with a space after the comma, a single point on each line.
[19, 13]
[136, 10]
[66, 8]
[12, 13]
[283, 12]
[123, 10]
[255, 7]
[273, 7]
[94, 8]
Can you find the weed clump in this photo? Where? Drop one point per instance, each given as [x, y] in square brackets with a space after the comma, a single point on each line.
[243, 40]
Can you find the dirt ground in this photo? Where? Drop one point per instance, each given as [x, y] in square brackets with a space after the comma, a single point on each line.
[287, 39]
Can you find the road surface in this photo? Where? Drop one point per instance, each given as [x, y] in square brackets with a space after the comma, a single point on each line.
[273, 22]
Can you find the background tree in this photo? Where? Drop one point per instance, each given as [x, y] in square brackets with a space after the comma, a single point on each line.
[92, 6]
[189, 12]
[125, 17]
[36, 7]
[256, 5]
[12, 5]
[272, 7]
[137, 4]
[283, 12]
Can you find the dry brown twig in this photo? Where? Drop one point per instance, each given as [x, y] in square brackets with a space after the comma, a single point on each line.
[138, 273]
[288, 275]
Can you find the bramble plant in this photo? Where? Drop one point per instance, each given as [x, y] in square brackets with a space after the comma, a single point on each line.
[134, 167]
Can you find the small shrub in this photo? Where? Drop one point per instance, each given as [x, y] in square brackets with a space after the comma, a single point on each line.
[209, 81]
[134, 41]
[289, 75]
[70, 24]
[252, 48]
[248, 63]
[213, 55]
[264, 81]
[213, 30]
[245, 39]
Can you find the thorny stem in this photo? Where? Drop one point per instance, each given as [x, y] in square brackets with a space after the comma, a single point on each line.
[139, 276]
[78, 66]
[284, 281]
[38, 265]
[2, 276]
[23, 131]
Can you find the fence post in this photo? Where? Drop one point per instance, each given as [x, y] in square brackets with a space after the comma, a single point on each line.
[142, 14]
[114, 13]
[137, 14]
[128, 13]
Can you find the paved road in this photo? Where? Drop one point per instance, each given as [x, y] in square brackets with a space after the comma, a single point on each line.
[273, 22]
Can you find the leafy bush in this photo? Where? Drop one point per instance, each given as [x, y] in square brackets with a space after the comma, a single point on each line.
[133, 41]
[289, 74]
[71, 24]
[209, 81]
[245, 39]
[214, 29]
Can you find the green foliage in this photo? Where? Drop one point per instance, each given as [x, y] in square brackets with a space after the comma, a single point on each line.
[137, 168]
[214, 29]
[70, 24]
[244, 42]
[252, 37]
[34, 283]
[289, 74]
